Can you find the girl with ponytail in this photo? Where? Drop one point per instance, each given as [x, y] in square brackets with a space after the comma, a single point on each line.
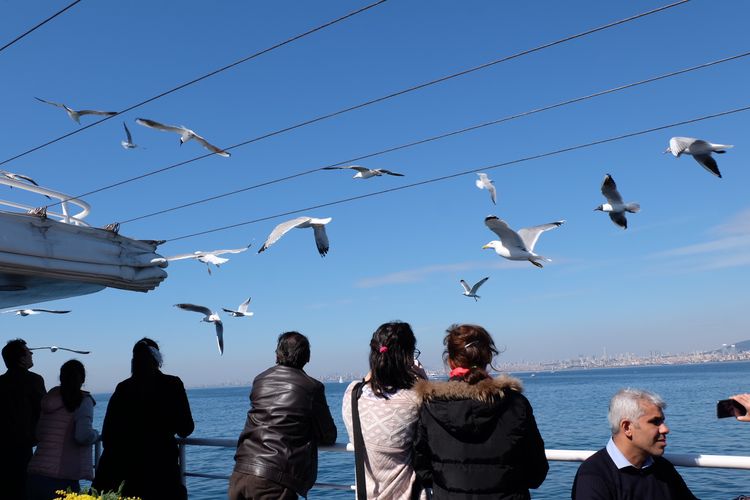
[477, 437]
[387, 410]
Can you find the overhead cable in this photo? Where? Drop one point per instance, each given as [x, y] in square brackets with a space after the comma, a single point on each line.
[442, 136]
[39, 25]
[465, 172]
[373, 101]
[196, 80]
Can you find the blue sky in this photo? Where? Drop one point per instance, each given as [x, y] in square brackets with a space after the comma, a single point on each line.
[675, 281]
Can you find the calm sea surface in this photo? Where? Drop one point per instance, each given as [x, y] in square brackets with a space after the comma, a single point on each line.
[570, 408]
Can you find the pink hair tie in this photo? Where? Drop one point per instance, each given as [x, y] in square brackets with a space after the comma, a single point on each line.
[459, 371]
[383, 349]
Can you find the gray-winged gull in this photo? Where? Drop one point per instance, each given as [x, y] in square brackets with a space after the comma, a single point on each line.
[471, 291]
[485, 182]
[319, 230]
[185, 135]
[364, 172]
[614, 206]
[517, 245]
[241, 310]
[700, 150]
[209, 317]
[76, 115]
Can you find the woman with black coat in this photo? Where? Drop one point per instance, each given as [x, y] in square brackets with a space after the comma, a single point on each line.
[477, 437]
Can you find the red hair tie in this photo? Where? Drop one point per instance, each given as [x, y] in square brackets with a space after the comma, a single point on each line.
[459, 372]
[383, 349]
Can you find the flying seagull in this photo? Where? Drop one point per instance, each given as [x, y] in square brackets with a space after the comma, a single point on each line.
[20, 178]
[54, 348]
[364, 172]
[485, 182]
[700, 150]
[241, 311]
[30, 312]
[471, 291]
[319, 229]
[128, 143]
[209, 317]
[207, 257]
[185, 135]
[76, 115]
[517, 245]
[614, 206]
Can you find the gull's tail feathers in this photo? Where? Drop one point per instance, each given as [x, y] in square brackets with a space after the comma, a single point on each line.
[633, 208]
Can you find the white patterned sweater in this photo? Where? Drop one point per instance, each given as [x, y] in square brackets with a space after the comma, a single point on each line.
[388, 427]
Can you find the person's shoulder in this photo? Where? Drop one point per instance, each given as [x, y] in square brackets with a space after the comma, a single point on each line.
[598, 460]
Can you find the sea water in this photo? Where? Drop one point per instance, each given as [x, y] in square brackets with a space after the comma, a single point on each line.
[570, 409]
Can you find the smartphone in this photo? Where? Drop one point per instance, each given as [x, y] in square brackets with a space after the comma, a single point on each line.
[729, 408]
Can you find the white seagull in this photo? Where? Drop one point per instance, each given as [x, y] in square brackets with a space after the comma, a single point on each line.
[185, 135]
[319, 229]
[364, 172]
[30, 312]
[209, 317]
[207, 257]
[55, 348]
[614, 206]
[76, 115]
[128, 143]
[241, 310]
[700, 150]
[471, 291]
[485, 182]
[517, 245]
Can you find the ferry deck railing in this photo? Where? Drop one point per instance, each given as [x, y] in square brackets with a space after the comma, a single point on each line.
[64, 200]
[679, 459]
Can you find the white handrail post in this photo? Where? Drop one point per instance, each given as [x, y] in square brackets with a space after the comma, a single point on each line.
[182, 462]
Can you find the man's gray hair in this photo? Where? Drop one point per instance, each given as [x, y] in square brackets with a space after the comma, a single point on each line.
[626, 405]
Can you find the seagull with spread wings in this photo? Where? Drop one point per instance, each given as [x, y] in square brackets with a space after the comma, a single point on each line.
[185, 135]
[54, 348]
[241, 310]
[76, 115]
[31, 312]
[471, 291]
[614, 206]
[364, 172]
[209, 317]
[207, 257]
[485, 182]
[319, 230]
[517, 245]
[699, 149]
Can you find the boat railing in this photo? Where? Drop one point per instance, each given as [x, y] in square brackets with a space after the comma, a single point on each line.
[65, 201]
[679, 459]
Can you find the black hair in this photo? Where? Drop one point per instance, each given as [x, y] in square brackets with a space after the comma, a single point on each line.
[13, 351]
[146, 358]
[392, 358]
[72, 377]
[472, 347]
[293, 349]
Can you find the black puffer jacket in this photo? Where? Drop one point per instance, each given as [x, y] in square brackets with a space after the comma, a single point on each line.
[478, 441]
[288, 419]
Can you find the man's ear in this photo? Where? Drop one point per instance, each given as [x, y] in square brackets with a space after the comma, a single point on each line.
[626, 427]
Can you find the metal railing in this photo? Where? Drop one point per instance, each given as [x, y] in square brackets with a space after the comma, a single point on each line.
[679, 459]
[64, 201]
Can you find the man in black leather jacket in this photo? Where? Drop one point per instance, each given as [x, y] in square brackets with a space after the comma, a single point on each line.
[277, 452]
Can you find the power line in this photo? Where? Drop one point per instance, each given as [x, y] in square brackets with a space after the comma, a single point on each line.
[200, 78]
[30, 30]
[445, 135]
[372, 101]
[465, 172]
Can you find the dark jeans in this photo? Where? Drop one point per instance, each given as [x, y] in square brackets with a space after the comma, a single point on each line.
[249, 487]
[44, 488]
[13, 462]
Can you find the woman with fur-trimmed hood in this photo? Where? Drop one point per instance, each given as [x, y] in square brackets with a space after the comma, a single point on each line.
[477, 437]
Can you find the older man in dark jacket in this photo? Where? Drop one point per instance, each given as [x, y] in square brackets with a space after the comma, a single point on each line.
[277, 452]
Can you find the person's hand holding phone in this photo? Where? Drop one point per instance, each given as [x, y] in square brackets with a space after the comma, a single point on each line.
[744, 400]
